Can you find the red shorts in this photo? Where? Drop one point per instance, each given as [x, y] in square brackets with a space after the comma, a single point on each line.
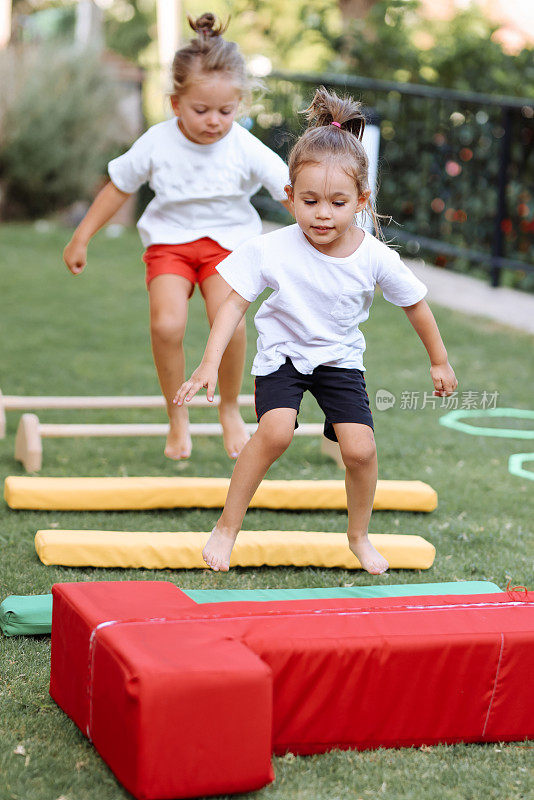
[195, 261]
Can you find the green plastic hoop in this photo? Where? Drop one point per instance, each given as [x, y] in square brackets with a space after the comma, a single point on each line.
[515, 465]
[453, 420]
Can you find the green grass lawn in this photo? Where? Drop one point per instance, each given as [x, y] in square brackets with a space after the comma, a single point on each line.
[89, 335]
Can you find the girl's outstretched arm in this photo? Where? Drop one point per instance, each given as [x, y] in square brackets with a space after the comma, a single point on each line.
[229, 315]
[104, 206]
[442, 374]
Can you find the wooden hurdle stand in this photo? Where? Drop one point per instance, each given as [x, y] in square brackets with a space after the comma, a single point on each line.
[11, 402]
[31, 432]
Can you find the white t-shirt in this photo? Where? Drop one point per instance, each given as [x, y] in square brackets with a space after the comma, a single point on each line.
[201, 189]
[318, 302]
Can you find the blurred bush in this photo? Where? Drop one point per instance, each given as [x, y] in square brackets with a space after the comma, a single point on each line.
[58, 128]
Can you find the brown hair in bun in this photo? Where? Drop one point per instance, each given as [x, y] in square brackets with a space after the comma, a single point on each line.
[208, 53]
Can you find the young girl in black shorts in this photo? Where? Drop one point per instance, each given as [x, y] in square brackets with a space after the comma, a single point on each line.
[323, 271]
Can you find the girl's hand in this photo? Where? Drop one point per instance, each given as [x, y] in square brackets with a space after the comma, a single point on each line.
[204, 376]
[75, 256]
[444, 379]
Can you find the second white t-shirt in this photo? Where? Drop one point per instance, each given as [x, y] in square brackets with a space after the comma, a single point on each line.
[201, 189]
[318, 302]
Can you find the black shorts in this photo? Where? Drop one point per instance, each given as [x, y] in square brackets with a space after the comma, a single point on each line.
[340, 393]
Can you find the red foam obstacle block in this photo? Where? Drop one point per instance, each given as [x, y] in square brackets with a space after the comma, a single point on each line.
[191, 703]
[185, 717]
[78, 610]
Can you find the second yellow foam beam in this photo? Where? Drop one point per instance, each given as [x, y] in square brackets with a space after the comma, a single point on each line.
[149, 550]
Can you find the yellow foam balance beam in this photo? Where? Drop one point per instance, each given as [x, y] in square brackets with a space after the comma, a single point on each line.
[124, 494]
[252, 549]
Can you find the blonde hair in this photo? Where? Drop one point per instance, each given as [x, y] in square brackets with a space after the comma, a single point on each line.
[340, 141]
[209, 53]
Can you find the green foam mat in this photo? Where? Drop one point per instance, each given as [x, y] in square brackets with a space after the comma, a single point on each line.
[26, 614]
[398, 590]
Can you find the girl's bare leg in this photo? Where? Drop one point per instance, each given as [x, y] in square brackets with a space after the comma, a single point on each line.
[235, 436]
[273, 436]
[358, 451]
[168, 295]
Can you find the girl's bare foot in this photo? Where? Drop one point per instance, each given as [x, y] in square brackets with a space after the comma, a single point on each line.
[235, 435]
[218, 550]
[178, 444]
[367, 555]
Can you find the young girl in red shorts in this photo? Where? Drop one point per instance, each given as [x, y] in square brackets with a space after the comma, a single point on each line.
[203, 168]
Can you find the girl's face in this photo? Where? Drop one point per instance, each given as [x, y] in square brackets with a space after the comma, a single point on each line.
[207, 108]
[324, 201]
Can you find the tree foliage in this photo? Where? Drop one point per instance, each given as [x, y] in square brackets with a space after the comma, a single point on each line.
[293, 35]
[440, 155]
[128, 27]
[394, 41]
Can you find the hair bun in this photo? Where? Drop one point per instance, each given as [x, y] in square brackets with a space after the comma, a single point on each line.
[207, 25]
[327, 107]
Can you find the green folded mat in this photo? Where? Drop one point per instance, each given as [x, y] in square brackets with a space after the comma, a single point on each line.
[25, 614]
[31, 614]
[330, 593]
